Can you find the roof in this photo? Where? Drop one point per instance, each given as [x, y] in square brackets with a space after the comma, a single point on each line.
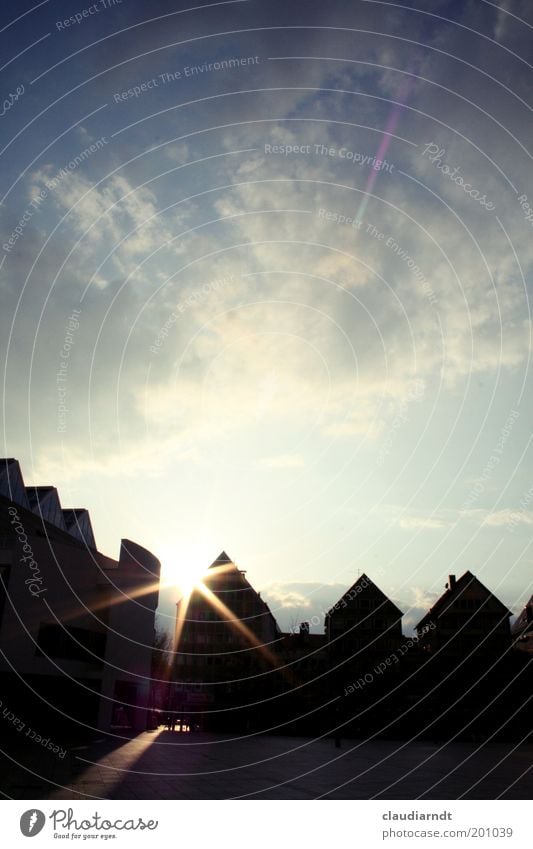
[222, 560]
[524, 621]
[11, 481]
[362, 585]
[463, 583]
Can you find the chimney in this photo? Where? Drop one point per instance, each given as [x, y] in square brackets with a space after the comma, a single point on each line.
[451, 581]
[304, 627]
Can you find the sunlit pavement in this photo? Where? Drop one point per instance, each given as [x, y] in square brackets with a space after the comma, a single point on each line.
[171, 765]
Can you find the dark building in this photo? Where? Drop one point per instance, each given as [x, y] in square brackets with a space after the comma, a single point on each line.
[363, 629]
[302, 682]
[363, 625]
[522, 630]
[466, 618]
[76, 627]
[235, 670]
[467, 682]
[225, 650]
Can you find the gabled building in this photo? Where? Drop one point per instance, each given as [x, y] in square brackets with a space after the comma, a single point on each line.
[466, 618]
[363, 622]
[76, 627]
[225, 645]
[522, 630]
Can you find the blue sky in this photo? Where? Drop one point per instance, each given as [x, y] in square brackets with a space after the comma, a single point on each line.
[252, 371]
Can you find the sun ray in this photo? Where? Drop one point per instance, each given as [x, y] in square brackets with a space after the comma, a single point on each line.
[237, 624]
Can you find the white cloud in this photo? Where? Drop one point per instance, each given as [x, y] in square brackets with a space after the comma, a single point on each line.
[428, 523]
[508, 517]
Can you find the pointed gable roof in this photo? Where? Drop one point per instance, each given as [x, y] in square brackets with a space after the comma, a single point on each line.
[462, 584]
[363, 585]
[12, 483]
[222, 560]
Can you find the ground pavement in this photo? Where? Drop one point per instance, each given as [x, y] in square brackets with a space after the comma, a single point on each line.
[171, 765]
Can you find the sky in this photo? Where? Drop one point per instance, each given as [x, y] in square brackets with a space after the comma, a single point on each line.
[264, 280]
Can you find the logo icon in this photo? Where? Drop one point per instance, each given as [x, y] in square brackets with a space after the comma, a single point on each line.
[32, 822]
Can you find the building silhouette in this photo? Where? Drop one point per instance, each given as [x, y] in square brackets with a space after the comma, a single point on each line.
[466, 619]
[363, 625]
[234, 669]
[225, 649]
[76, 627]
[77, 646]
[522, 630]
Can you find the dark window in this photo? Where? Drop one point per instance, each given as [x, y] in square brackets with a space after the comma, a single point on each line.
[71, 643]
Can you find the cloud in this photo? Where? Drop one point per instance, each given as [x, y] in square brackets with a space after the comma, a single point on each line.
[294, 602]
[428, 523]
[508, 517]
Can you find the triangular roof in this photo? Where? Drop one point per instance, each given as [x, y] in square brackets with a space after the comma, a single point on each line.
[447, 598]
[11, 481]
[78, 523]
[222, 560]
[362, 585]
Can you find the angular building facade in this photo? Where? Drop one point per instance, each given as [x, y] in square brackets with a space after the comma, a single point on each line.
[76, 627]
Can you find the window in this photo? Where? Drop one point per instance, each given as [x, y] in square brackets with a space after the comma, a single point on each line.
[71, 643]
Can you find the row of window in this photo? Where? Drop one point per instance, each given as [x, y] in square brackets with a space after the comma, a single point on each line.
[71, 643]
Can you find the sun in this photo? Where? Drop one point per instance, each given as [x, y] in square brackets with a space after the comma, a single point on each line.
[184, 570]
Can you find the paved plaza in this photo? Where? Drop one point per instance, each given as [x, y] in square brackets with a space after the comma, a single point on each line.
[170, 765]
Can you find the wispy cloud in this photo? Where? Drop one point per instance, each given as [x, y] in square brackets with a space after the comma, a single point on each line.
[426, 522]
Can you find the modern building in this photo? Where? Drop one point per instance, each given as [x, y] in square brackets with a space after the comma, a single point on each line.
[76, 627]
